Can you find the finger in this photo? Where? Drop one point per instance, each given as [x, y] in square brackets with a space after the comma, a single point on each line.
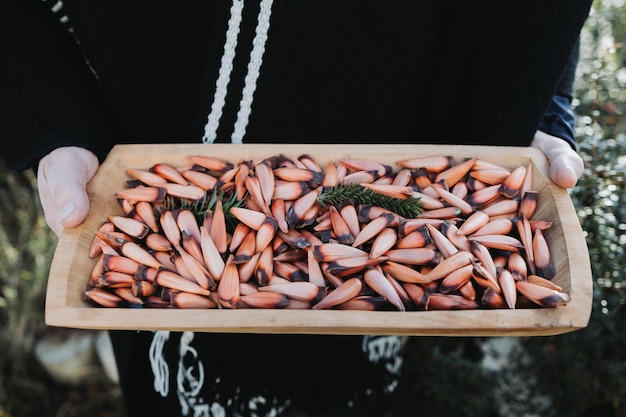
[66, 172]
[72, 202]
[49, 208]
[565, 170]
[566, 166]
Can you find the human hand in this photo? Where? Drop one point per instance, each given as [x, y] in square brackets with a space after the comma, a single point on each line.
[62, 179]
[566, 166]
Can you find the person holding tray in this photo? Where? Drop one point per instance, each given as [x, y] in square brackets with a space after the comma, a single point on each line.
[78, 77]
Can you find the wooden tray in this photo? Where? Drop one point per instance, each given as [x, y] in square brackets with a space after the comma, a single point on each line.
[71, 265]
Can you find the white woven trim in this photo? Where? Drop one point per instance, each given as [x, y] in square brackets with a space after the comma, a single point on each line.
[226, 67]
[160, 369]
[58, 6]
[254, 69]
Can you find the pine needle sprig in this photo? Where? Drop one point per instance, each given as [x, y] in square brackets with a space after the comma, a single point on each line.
[408, 208]
[207, 203]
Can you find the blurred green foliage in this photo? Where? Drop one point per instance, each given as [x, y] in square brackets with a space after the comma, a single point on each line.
[26, 249]
[25, 253]
[577, 374]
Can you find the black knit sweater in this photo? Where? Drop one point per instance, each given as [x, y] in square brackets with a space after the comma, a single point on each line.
[98, 73]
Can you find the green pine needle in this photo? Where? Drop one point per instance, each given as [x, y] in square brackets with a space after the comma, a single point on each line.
[408, 208]
[207, 203]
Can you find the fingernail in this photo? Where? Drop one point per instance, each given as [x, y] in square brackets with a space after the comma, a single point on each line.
[67, 211]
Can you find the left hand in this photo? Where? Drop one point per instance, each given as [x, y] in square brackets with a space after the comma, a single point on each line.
[566, 166]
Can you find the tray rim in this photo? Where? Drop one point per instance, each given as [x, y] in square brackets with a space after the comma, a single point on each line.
[575, 315]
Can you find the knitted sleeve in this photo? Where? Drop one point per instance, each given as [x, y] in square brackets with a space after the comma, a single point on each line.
[48, 97]
[559, 119]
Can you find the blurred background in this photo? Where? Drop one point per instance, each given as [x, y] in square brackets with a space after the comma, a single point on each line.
[59, 372]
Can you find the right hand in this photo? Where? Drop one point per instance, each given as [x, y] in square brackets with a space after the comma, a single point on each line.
[62, 179]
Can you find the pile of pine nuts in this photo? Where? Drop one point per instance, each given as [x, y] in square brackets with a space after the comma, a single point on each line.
[259, 234]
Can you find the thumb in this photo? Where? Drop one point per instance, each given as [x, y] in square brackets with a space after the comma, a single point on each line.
[565, 170]
[63, 176]
[566, 166]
